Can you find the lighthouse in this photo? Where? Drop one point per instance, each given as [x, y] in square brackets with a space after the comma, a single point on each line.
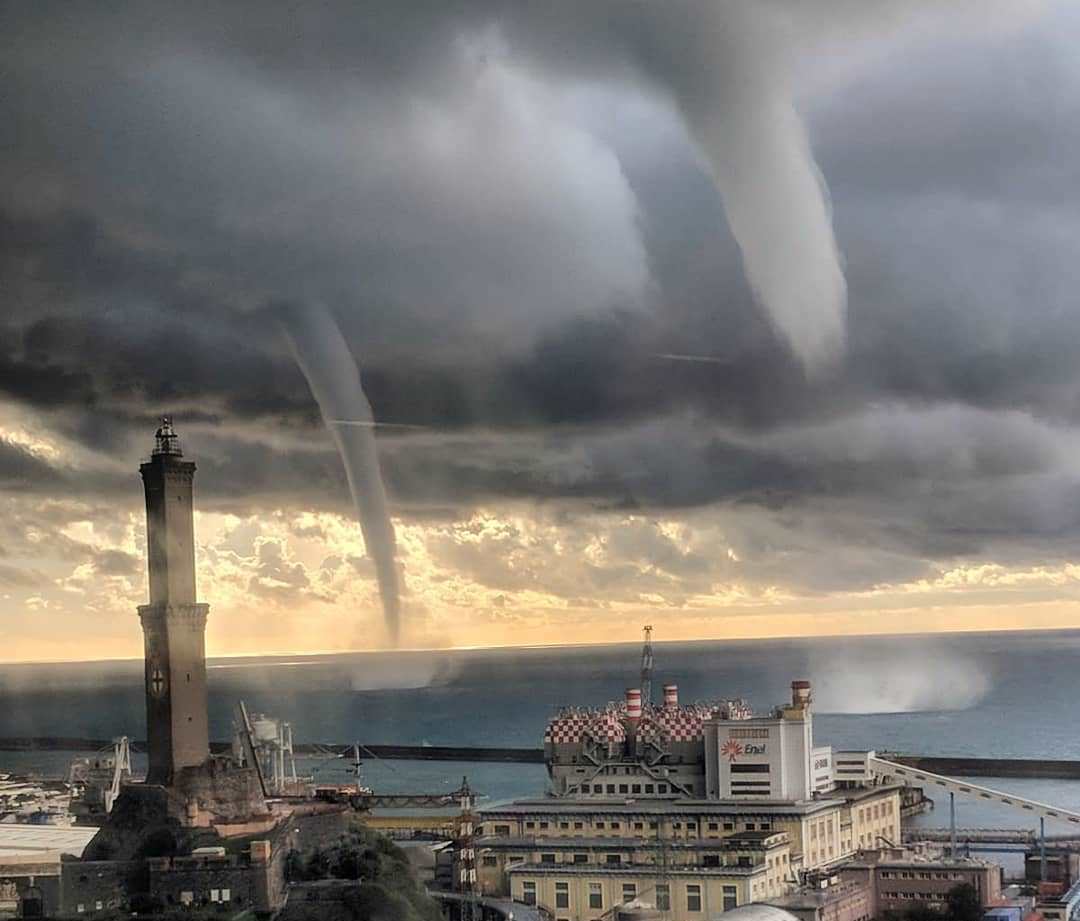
[174, 623]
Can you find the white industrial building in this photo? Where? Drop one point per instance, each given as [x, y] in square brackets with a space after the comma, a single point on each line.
[768, 757]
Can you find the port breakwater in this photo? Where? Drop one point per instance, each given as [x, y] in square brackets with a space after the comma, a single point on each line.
[949, 766]
[388, 752]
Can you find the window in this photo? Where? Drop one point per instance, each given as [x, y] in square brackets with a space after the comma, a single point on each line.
[676, 824]
[623, 788]
[661, 788]
[650, 788]
[598, 788]
[663, 896]
[611, 788]
[547, 859]
[629, 892]
[215, 895]
[614, 826]
[97, 905]
[596, 896]
[528, 892]
[639, 826]
[502, 829]
[490, 860]
[731, 898]
[612, 859]
[729, 826]
[750, 826]
[543, 824]
[691, 826]
[636, 788]
[562, 895]
[599, 824]
[226, 895]
[581, 858]
[693, 898]
[653, 826]
[714, 826]
[530, 825]
[564, 825]
[711, 860]
[579, 825]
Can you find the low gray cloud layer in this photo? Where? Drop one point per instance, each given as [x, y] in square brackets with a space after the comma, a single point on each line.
[513, 227]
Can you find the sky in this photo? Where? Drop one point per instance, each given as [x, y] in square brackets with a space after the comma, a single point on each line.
[515, 216]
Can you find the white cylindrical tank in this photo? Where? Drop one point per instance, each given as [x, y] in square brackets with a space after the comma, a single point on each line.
[264, 729]
[671, 696]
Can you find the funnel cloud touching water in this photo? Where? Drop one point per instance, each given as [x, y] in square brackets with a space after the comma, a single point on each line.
[334, 379]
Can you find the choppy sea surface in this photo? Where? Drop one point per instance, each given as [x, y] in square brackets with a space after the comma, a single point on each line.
[1004, 694]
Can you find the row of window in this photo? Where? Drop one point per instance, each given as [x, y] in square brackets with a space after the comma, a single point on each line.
[930, 900]
[622, 788]
[187, 897]
[707, 860]
[920, 874]
[661, 895]
[877, 811]
[504, 830]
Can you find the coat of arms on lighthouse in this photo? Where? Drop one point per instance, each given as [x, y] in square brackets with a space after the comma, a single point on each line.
[157, 682]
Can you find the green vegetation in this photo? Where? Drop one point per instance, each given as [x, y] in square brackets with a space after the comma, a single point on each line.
[387, 890]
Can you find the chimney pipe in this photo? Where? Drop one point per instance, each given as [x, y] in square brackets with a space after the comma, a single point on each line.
[671, 696]
[800, 695]
[633, 705]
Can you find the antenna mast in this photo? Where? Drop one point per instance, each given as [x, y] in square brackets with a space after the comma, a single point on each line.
[646, 668]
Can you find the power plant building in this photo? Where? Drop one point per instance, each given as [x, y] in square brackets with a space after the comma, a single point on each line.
[684, 805]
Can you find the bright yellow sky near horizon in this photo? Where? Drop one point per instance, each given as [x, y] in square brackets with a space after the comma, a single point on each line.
[295, 583]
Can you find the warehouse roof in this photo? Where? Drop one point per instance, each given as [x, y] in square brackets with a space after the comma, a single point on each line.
[44, 839]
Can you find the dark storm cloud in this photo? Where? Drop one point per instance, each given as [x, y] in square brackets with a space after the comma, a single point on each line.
[512, 225]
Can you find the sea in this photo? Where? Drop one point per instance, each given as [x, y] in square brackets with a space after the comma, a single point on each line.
[1012, 695]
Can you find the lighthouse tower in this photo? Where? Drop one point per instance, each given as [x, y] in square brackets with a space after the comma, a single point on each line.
[174, 623]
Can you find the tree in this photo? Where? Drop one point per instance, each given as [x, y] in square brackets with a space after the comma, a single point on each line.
[964, 904]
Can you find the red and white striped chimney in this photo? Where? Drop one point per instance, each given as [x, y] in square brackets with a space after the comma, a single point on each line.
[633, 705]
[671, 697]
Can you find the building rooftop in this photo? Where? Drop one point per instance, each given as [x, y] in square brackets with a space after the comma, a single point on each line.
[44, 839]
[632, 869]
[856, 794]
[756, 841]
[568, 806]
[917, 862]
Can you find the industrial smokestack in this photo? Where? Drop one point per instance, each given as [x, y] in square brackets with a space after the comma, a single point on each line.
[671, 696]
[800, 695]
[334, 379]
[633, 706]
